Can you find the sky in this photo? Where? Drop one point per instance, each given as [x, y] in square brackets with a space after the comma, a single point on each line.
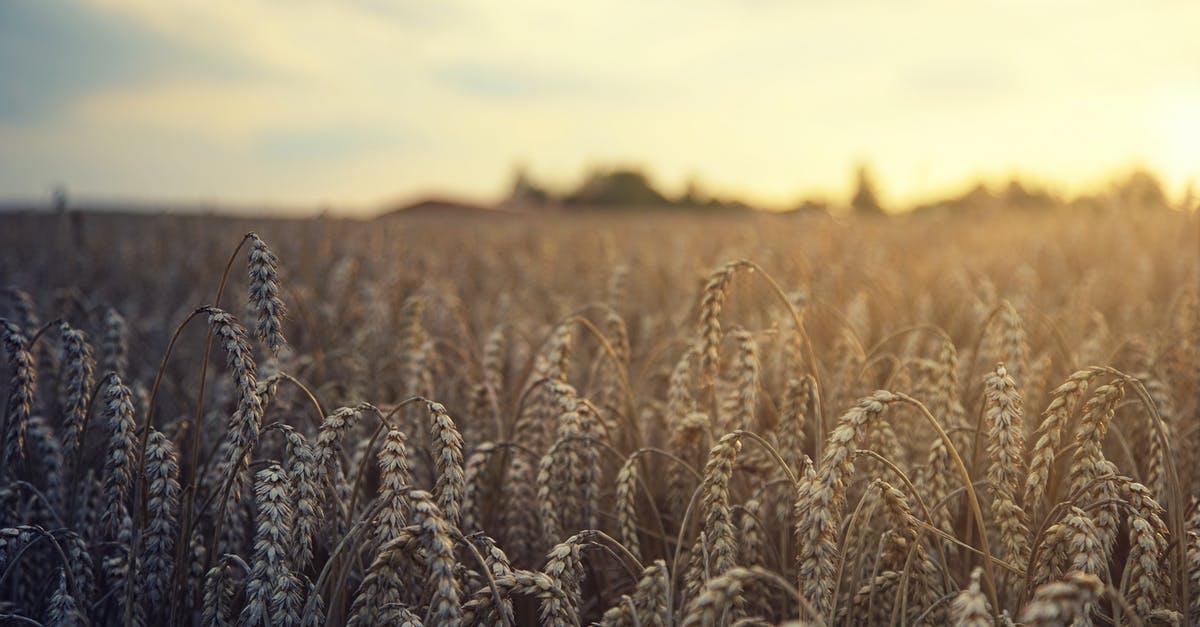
[356, 104]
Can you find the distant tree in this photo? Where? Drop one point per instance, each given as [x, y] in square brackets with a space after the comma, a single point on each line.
[627, 187]
[58, 199]
[693, 195]
[1018, 195]
[525, 191]
[977, 197]
[1141, 190]
[812, 205]
[865, 200]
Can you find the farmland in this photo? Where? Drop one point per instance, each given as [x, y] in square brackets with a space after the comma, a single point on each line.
[623, 418]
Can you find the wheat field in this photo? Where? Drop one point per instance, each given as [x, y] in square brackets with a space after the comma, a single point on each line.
[980, 419]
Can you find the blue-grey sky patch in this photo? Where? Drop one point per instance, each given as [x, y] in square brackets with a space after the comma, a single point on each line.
[54, 52]
[332, 143]
[494, 81]
[426, 15]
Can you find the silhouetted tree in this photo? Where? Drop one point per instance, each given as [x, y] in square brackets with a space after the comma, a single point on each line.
[525, 191]
[1018, 195]
[865, 200]
[58, 198]
[1142, 190]
[618, 187]
[812, 205]
[693, 195]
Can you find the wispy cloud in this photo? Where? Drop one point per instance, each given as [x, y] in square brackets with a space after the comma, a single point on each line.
[510, 83]
[53, 53]
[316, 145]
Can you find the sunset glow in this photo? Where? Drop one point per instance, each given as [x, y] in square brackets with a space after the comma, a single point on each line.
[358, 104]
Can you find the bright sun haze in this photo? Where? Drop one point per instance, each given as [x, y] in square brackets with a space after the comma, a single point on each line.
[358, 103]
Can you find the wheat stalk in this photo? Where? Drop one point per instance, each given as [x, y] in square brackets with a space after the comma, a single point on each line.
[821, 498]
[447, 448]
[720, 533]
[263, 268]
[75, 386]
[499, 566]
[1089, 463]
[122, 452]
[650, 601]
[1148, 540]
[273, 590]
[710, 319]
[626, 508]
[737, 409]
[444, 606]
[970, 607]
[20, 396]
[564, 565]
[246, 421]
[114, 344]
[305, 473]
[395, 477]
[384, 583]
[1049, 438]
[47, 459]
[218, 595]
[555, 607]
[473, 485]
[63, 610]
[1006, 451]
[162, 504]
[1060, 604]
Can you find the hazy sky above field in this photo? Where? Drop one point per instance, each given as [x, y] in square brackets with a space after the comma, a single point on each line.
[354, 103]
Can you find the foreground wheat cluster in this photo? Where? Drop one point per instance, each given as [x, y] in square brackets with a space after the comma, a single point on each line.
[975, 420]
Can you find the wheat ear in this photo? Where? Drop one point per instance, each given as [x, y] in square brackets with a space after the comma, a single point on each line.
[263, 268]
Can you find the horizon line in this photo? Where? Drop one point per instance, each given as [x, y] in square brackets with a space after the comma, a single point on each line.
[1057, 190]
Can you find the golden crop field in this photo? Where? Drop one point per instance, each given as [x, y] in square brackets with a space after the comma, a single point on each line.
[983, 418]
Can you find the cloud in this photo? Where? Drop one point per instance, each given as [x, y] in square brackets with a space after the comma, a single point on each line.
[498, 82]
[53, 52]
[961, 78]
[332, 143]
[535, 82]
